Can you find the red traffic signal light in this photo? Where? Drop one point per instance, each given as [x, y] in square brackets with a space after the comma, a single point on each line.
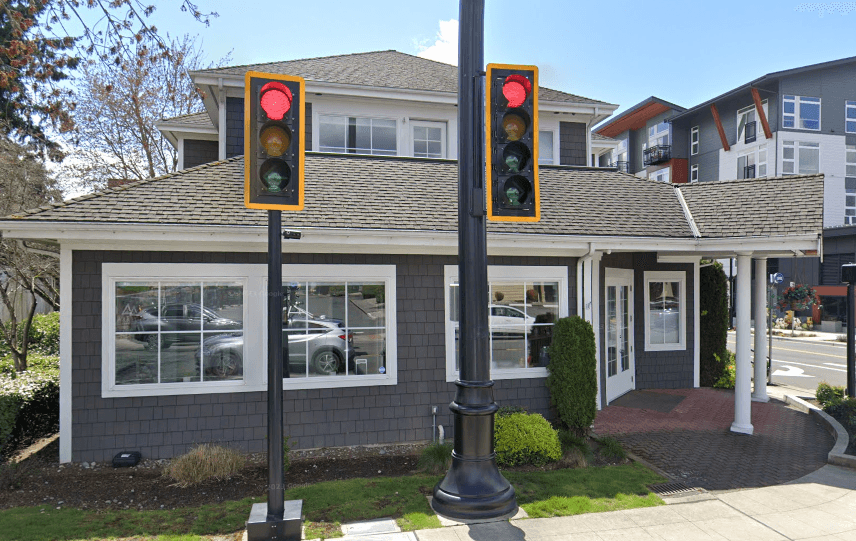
[274, 145]
[511, 93]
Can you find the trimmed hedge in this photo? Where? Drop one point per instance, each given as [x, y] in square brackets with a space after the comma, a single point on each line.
[713, 334]
[29, 404]
[522, 438]
[572, 378]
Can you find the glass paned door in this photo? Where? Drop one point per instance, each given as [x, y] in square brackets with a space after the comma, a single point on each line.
[620, 368]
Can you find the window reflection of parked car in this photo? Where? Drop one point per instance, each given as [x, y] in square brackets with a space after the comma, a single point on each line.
[509, 320]
[665, 320]
[323, 342]
[187, 319]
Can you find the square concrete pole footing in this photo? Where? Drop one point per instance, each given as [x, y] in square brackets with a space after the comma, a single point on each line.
[262, 528]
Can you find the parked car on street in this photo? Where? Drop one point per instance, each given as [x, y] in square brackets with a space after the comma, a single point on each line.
[184, 318]
[323, 342]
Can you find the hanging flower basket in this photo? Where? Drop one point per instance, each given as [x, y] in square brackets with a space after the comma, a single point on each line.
[799, 297]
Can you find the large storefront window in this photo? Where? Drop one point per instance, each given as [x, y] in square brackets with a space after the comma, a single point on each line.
[196, 328]
[524, 304]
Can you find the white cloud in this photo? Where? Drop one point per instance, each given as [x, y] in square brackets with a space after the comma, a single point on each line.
[445, 48]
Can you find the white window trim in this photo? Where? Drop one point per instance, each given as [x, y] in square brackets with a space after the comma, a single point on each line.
[666, 276]
[654, 139]
[694, 144]
[694, 172]
[322, 115]
[504, 273]
[797, 101]
[796, 160]
[849, 104]
[555, 150]
[415, 123]
[253, 279]
[757, 121]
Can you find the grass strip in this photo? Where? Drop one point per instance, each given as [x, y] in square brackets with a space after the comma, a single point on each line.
[328, 505]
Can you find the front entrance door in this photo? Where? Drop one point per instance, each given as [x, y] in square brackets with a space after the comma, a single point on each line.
[620, 366]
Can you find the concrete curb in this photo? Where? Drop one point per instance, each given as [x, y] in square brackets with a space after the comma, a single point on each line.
[836, 455]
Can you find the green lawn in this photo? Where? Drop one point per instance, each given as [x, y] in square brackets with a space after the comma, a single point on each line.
[540, 494]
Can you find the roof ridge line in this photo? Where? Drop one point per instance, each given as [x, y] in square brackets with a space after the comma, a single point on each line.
[687, 213]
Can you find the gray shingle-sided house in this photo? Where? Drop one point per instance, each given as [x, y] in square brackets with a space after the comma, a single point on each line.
[162, 328]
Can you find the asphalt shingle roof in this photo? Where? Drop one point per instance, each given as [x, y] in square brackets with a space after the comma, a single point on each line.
[384, 69]
[364, 192]
[791, 205]
[193, 120]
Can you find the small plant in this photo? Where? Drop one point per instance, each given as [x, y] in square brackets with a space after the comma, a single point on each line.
[525, 439]
[827, 394]
[610, 448]
[286, 448]
[435, 458]
[729, 375]
[576, 451]
[205, 461]
[505, 411]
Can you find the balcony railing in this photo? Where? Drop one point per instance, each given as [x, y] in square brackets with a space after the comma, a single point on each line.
[749, 171]
[622, 166]
[749, 134]
[656, 154]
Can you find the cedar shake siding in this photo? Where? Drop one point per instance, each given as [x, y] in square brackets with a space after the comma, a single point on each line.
[198, 152]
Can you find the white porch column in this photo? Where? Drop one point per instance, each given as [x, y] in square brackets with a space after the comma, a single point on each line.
[743, 384]
[759, 393]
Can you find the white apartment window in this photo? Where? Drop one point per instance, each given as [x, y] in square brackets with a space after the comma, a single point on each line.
[694, 141]
[525, 303]
[658, 135]
[429, 139]
[850, 186]
[694, 173]
[752, 163]
[801, 112]
[799, 157]
[747, 123]
[196, 328]
[545, 148]
[665, 311]
[850, 116]
[356, 135]
[662, 175]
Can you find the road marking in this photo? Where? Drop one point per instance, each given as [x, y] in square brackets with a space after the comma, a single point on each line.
[809, 365]
[792, 371]
[836, 364]
[810, 352]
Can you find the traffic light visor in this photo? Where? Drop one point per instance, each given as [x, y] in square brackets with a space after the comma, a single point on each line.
[515, 89]
[275, 139]
[275, 98]
[275, 175]
[516, 191]
[516, 156]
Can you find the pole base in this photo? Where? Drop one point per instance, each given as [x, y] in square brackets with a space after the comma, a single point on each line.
[261, 527]
[474, 489]
[742, 429]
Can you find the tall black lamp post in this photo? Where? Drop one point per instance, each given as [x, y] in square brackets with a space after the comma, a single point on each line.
[848, 275]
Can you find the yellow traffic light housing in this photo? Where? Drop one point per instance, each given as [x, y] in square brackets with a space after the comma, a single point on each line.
[511, 121]
[274, 141]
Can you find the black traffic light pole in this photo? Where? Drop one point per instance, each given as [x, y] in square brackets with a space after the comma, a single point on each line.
[848, 275]
[276, 501]
[473, 487]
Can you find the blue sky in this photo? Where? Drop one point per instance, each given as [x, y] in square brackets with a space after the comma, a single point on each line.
[619, 51]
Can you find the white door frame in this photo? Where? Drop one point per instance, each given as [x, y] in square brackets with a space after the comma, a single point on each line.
[624, 380]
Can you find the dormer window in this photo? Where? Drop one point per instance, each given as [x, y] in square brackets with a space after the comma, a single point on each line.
[355, 135]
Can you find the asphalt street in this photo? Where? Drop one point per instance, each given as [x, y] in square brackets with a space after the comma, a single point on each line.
[804, 364]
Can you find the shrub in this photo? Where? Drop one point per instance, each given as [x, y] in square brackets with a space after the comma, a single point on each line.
[435, 458]
[827, 394]
[29, 404]
[729, 374]
[610, 448]
[713, 303]
[44, 334]
[205, 461]
[572, 378]
[505, 411]
[525, 439]
[575, 449]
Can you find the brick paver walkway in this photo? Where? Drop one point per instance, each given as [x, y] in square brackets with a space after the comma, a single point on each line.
[693, 443]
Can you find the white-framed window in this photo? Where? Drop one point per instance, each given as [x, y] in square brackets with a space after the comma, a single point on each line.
[801, 112]
[694, 173]
[357, 135]
[694, 141]
[545, 147]
[747, 121]
[850, 116]
[429, 139]
[800, 158]
[752, 163]
[171, 329]
[524, 304]
[658, 135]
[665, 310]
[850, 186]
[661, 174]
